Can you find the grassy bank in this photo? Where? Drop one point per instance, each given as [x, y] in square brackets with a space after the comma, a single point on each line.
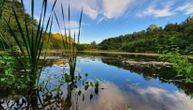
[114, 52]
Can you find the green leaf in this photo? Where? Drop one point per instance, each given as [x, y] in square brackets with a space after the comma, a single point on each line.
[129, 108]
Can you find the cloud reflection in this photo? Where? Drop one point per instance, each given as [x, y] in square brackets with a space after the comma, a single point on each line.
[151, 98]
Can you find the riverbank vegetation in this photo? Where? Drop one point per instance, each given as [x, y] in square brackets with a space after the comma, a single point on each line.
[155, 39]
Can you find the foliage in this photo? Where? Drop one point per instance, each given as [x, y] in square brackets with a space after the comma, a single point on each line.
[155, 39]
[1, 7]
[8, 15]
[56, 41]
[129, 108]
[86, 47]
[181, 65]
[12, 77]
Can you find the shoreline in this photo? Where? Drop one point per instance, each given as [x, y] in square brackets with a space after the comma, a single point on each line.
[128, 53]
[109, 52]
[119, 53]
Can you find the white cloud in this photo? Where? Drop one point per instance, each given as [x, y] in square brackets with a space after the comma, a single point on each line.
[187, 8]
[101, 19]
[164, 11]
[92, 13]
[151, 11]
[115, 8]
[72, 24]
[89, 6]
[98, 8]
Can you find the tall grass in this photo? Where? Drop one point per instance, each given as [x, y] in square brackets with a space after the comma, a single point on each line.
[31, 38]
[70, 46]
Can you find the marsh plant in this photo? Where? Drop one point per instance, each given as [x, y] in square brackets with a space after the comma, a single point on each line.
[67, 36]
[30, 39]
[21, 69]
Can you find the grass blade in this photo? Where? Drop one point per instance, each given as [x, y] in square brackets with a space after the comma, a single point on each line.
[50, 33]
[21, 31]
[69, 21]
[80, 24]
[53, 6]
[32, 9]
[22, 4]
[14, 36]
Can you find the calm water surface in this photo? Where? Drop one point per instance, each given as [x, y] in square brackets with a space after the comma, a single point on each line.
[120, 87]
[124, 87]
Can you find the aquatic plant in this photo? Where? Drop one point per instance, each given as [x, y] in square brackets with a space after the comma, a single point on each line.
[70, 47]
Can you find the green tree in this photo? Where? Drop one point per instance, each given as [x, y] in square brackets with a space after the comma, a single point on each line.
[7, 14]
[152, 27]
[93, 43]
[155, 39]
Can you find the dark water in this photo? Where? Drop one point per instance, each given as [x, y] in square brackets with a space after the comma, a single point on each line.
[120, 87]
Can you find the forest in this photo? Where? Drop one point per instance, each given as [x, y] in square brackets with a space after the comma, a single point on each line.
[155, 39]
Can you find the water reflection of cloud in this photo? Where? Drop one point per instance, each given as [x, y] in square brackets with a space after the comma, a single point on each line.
[151, 98]
[110, 98]
[163, 99]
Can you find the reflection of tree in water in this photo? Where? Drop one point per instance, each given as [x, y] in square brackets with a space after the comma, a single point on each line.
[165, 74]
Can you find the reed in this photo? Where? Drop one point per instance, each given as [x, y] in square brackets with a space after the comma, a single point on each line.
[31, 38]
[71, 47]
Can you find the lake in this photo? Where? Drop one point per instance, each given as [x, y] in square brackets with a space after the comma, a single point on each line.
[119, 86]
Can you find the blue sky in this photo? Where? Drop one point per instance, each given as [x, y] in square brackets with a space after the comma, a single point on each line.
[109, 18]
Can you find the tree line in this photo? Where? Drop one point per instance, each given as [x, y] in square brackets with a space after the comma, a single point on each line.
[155, 39]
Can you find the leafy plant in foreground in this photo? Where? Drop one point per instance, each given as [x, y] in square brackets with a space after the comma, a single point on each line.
[10, 78]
